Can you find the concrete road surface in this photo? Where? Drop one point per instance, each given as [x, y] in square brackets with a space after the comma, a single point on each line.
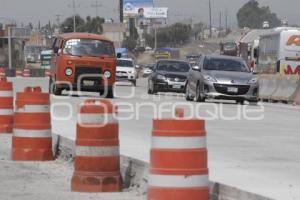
[255, 148]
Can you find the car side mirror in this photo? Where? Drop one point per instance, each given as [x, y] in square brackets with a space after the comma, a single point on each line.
[196, 68]
[55, 50]
[119, 55]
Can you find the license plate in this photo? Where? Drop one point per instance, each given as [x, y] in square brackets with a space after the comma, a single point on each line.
[176, 86]
[232, 89]
[88, 83]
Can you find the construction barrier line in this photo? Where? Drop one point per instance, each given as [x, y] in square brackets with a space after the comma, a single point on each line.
[6, 111]
[178, 142]
[169, 181]
[88, 118]
[6, 94]
[34, 109]
[97, 151]
[32, 133]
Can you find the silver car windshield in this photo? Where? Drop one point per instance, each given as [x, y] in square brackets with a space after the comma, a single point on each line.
[222, 64]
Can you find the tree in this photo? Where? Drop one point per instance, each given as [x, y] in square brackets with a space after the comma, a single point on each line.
[129, 43]
[67, 26]
[252, 16]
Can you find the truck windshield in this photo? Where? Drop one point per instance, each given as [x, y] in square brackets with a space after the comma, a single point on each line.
[88, 47]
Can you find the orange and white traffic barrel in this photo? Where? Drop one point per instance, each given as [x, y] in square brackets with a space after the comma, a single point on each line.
[2, 72]
[97, 161]
[19, 73]
[26, 73]
[178, 163]
[6, 106]
[32, 140]
[47, 73]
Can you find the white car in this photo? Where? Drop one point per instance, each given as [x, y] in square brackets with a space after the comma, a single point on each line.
[126, 70]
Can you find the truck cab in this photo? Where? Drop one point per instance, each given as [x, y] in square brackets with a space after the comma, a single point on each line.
[83, 62]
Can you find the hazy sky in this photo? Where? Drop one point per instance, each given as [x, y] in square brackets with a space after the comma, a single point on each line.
[42, 10]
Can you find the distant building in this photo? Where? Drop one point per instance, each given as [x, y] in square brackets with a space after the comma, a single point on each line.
[114, 32]
[18, 37]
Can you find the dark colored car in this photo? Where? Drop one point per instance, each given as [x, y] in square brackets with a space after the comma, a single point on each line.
[229, 49]
[168, 76]
[222, 77]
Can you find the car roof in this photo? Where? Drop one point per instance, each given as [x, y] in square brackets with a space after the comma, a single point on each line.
[224, 57]
[172, 60]
[67, 36]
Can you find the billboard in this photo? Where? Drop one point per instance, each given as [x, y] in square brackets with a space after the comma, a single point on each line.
[130, 6]
[155, 13]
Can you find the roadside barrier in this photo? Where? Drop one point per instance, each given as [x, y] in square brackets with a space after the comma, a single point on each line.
[19, 73]
[47, 73]
[2, 72]
[268, 85]
[297, 95]
[286, 89]
[26, 73]
[32, 140]
[97, 161]
[6, 106]
[178, 163]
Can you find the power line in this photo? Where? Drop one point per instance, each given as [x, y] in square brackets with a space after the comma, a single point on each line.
[96, 6]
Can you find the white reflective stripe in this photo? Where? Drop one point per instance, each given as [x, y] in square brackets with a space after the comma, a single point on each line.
[178, 181]
[34, 109]
[6, 111]
[178, 142]
[97, 151]
[32, 133]
[87, 118]
[6, 93]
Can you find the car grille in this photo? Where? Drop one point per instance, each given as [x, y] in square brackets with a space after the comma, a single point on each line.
[177, 79]
[223, 89]
[85, 70]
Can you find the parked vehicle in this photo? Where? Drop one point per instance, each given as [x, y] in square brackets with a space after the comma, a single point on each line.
[222, 77]
[32, 53]
[85, 62]
[168, 76]
[126, 70]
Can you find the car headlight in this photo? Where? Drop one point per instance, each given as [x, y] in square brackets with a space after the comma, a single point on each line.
[253, 80]
[69, 71]
[161, 77]
[209, 78]
[107, 74]
[131, 72]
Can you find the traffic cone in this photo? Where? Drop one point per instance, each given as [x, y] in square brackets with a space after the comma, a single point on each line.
[6, 106]
[97, 161]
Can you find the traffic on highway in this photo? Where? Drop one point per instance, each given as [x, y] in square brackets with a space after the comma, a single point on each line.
[149, 100]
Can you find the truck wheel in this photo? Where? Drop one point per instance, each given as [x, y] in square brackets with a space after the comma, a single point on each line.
[56, 91]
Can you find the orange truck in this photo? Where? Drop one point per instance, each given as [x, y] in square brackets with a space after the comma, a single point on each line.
[83, 62]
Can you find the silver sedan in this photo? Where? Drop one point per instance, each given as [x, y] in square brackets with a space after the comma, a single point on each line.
[222, 77]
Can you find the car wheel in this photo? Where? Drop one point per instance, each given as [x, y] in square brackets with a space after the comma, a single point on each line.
[199, 97]
[241, 102]
[55, 90]
[109, 94]
[187, 93]
[134, 83]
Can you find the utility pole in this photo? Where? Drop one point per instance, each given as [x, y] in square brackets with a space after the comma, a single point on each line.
[74, 6]
[220, 23]
[9, 48]
[96, 5]
[226, 21]
[210, 26]
[121, 11]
